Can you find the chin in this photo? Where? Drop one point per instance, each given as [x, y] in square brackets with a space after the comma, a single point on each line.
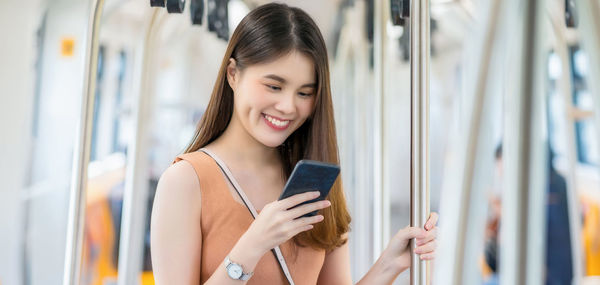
[271, 140]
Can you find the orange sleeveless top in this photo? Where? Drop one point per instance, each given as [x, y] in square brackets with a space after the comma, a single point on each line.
[223, 221]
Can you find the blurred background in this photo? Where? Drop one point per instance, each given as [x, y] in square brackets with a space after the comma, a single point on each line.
[156, 69]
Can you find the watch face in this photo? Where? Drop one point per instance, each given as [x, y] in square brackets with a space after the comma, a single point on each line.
[234, 271]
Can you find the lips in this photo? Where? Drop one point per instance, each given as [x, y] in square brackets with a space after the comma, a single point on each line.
[276, 123]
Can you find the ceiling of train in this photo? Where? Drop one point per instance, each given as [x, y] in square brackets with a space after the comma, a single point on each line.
[323, 12]
[454, 17]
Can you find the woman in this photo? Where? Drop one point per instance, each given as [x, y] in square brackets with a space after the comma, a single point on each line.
[270, 107]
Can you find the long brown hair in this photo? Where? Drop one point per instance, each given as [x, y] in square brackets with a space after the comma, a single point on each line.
[265, 34]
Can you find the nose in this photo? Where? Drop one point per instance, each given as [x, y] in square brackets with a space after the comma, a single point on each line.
[286, 103]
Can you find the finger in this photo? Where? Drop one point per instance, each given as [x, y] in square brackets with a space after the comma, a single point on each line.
[427, 248]
[428, 256]
[307, 221]
[298, 198]
[429, 236]
[433, 218]
[410, 233]
[307, 208]
[305, 224]
[301, 229]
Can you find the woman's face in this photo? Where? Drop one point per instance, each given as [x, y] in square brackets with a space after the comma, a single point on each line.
[272, 100]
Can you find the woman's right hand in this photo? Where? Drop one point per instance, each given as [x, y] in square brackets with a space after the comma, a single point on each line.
[277, 223]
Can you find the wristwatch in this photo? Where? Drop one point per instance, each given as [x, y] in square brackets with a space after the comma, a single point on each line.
[235, 270]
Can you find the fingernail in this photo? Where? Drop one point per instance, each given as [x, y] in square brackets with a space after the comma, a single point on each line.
[316, 193]
[327, 203]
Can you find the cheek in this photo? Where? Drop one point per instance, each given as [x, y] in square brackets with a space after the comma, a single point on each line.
[306, 107]
[252, 97]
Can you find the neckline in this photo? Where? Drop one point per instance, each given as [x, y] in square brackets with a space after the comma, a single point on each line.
[228, 176]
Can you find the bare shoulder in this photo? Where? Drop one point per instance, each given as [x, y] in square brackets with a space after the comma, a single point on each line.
[180, 175]
[179, 181]
[175, 232]
[178, 189]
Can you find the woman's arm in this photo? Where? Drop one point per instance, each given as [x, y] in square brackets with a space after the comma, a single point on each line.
[336, 269]
[175, 234]
[392, 261]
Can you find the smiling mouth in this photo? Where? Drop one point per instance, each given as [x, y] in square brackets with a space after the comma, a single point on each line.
[275, 123]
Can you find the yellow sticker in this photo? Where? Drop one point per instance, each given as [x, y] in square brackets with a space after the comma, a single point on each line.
[67, 47]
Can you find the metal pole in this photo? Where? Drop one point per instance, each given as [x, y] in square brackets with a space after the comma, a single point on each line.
[380, 203]
[77, 201]
[525, 148]
[419, 81]
[131, 250]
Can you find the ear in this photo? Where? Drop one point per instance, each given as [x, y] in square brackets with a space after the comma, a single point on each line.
[232, 74]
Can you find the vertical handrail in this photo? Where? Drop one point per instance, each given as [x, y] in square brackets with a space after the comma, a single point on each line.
[379, 203]
[565, 85]
[525, 148]
[419, 158]
[81, 155]
[131, 248]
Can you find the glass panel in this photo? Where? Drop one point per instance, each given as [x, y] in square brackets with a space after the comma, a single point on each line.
[107, 168]
[587, 172]
[584, 171]
[54, 115]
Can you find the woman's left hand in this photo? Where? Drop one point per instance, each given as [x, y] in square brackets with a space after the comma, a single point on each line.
[398, 250]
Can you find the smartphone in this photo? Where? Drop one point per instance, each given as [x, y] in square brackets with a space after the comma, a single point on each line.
[310, 175]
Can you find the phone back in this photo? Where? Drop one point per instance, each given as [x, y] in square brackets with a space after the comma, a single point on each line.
[310, 175]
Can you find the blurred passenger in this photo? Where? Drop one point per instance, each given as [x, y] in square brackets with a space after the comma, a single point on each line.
[490, 268]
[559, 264]
[271, 107]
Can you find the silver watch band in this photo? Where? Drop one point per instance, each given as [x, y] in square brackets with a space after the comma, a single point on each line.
[244, 276]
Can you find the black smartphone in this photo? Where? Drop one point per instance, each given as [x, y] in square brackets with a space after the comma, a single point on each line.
[310, 175]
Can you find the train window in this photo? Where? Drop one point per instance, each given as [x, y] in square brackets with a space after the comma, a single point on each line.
[556, 109]
[97, 103]
[121, 113]
[106, 170]
[587, 144]
[571, 180]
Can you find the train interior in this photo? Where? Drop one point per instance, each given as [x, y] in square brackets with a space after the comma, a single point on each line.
[155, 71]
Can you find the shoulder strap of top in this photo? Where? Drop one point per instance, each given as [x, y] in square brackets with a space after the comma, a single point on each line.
[205, 169]
[238, 189]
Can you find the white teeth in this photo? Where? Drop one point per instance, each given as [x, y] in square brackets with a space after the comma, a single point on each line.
[276, 122]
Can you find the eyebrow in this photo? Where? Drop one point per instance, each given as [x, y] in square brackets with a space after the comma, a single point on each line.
[283, 81]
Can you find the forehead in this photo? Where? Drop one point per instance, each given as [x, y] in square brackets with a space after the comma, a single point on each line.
[295, 68]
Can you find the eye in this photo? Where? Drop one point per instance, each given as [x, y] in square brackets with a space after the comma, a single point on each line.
[303, 94]
[273, 87]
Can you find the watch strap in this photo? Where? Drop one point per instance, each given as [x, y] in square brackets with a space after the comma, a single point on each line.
[245, 276]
